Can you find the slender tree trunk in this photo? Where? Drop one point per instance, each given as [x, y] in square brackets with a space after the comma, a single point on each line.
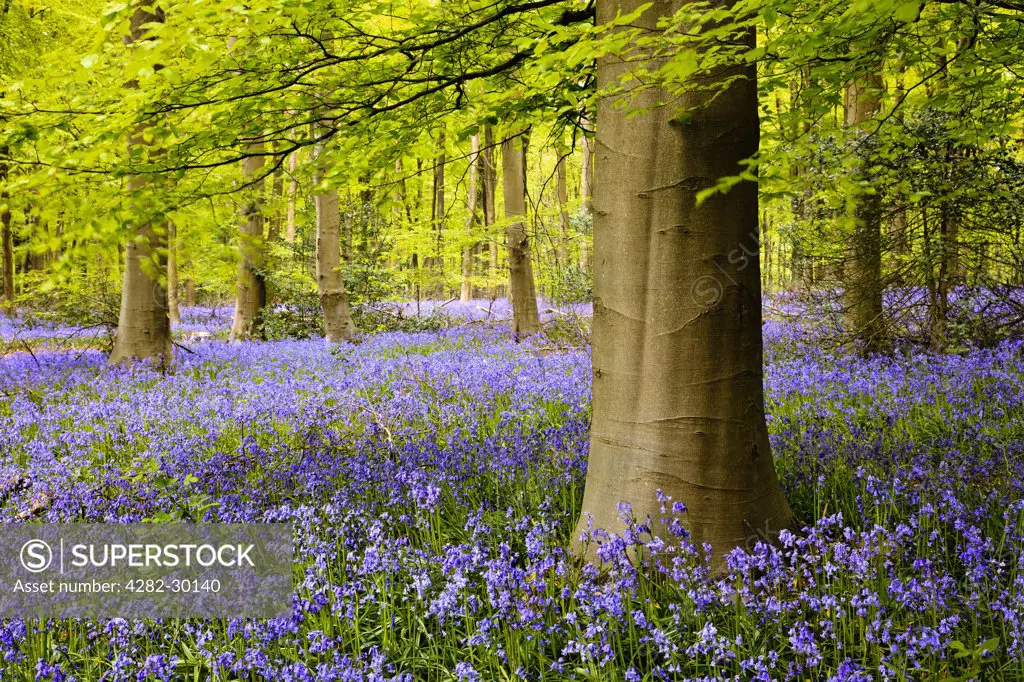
[936, 309]
[438, 213]
[525, 318]
[190, 292]
[678, 403]
[563, 207]
[900, 238]
[251, 289]
[276, 194]
[401, 197]
[490, 182]
[172, 272]
[898, 225]
[6, 238]
[481, 247]
[338, 324]
[293, 193]
[367, 223]
[415, 261]
[469, 250]
[863, 269]
[346, 228]
[586, 192]
[276, 223]
[947, 266]
[144, 326]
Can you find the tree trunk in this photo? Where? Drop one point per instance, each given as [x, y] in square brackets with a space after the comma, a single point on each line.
[346, 228]
[863, 269]
[678, 403]
[367, 222]
[586, 192]
[251, 289]
[414, 260]
[276, 194]
[6, 238]
[8, 255]
[293, 192]
[525, 318]
[274, 228]
[401, 205]
[172, 272]
[143, 326]
[338, 324]
[190, 292]
[438, 211]
[563, 210]
[469, 250]
[490, 182]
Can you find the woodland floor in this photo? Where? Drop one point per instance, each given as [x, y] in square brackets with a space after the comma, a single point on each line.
[433, 479]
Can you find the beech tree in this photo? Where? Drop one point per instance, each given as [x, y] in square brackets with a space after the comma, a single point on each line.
[678, 398]
[489, 180]
[469, 250]
[173, 311]
[338, 324]
[251, 287]
[144, 325]
[863, 267]
[563, 212]
[586, 187]
[522, 292]
[438, 213]
[6, 237]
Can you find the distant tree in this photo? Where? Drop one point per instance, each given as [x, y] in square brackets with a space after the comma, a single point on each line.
[522, 290]
[250, 286]
[338, 324]
[863, 268]
[469, 250]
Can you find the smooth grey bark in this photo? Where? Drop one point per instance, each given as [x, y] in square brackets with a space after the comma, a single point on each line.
[489, 178]
[338, 324]
[563, 211]
[469, 250]
[438, 216]
[172, 273]
[293, 191]
[143, 325]
[862, 271]
[522, 291]
[586, 190]
[250, 288]
[678, 402]
[276, 193]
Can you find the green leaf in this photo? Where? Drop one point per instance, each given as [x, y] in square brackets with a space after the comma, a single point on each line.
[907, 12]
[990, 645]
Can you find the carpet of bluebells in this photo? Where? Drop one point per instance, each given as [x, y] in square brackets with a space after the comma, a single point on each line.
[433, 480]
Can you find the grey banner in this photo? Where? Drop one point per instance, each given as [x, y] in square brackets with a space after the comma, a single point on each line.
[146, 570]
